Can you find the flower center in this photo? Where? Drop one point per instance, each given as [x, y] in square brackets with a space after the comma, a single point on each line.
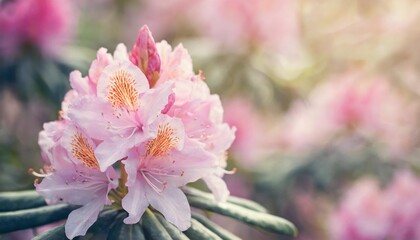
[163, 143]
[82, 151]
[122, 92]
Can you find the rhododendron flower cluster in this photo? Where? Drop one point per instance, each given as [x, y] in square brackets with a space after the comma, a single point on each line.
[368, 212]
[147, 112]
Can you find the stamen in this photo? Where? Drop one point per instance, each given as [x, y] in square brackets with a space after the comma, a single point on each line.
[122, 92]
[41, 173]
[163, 143]
[161, 172]
[151, 184]
[82, 151]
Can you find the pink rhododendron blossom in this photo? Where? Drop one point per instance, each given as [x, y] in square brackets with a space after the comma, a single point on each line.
[43, 24]
[353, 102]
[161, 164]
[369, 212]
[74, 175]
[202, 115]
[251, 142]
[239, 24]
[149, 111]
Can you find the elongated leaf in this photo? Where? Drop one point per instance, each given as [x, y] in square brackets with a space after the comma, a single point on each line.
[122, 231]
[198, 231]
[100, 229]
[234, 200]
[12, 201]
[152, 227]
[221, 232]
[174, 232]
[56, 233]
[29, 218]
[263, 220]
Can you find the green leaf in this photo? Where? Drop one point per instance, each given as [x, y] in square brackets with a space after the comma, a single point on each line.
[122, 231]
[29, 218]
[221, 232]
[152, 227]
[12, 201]
[57, 233]
[234, 200]
[262, 220]
[173, 231]
[100, 229]
[198, 231]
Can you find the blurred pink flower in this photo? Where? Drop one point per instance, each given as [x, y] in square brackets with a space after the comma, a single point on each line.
[250, 141]
[353, 102]
[44, 24]
[362, 213]
[368, 213]
[234, 24]
[404, 202]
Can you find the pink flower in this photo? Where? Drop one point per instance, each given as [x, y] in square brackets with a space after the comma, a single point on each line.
[74, 177]
[44, 24]
[233, 24]
[251, 137]
[176, 64]
[362, 214]
[404, 202]
[159, 166]
[350, 103]
[368, 212]
[148, 111]
[202, 115]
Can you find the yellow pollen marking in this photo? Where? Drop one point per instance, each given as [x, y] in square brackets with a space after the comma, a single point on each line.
[82, 151]
[122, 92]
[164, 141]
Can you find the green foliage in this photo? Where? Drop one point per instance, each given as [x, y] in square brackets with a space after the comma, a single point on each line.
[27, 210]
[29, 218]
[11, 201]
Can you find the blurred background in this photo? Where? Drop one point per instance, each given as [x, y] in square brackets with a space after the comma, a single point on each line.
[325, 96]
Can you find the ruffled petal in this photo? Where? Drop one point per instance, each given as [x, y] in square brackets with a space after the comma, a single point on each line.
[102, 60]
[120, 53]
[80, 84]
